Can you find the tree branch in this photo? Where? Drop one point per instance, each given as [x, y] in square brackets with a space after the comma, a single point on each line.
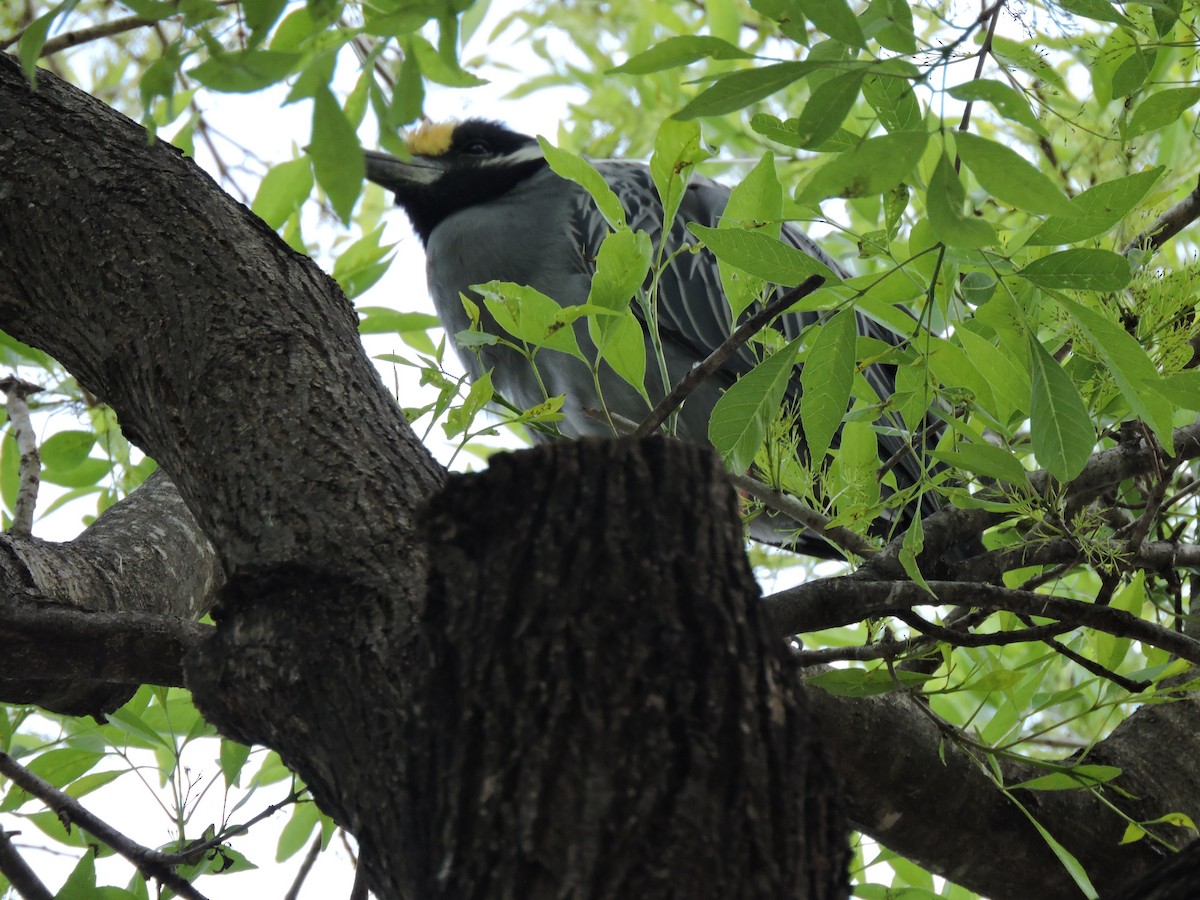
[728, 347]
[1169, 224]
[831, 602]
[149, 862]
[13, 867]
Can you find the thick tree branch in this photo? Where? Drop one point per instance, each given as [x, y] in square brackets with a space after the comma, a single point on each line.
[86, 622]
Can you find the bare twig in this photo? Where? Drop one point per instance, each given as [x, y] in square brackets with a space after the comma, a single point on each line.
[13, 867]
[310, 858]
[30, 471]
[1169, 224]
[149, 862]
[729, 346]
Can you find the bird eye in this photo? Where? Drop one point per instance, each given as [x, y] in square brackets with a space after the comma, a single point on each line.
[476, 148]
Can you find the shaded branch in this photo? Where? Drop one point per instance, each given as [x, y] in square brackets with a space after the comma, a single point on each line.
[149, 862]
[832, 602]
[1169, 224]
[728, 347]
[13, 867]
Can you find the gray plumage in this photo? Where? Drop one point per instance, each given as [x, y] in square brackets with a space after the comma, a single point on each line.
[487, 207]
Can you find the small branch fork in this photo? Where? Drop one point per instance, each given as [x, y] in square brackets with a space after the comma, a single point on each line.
[30, 472]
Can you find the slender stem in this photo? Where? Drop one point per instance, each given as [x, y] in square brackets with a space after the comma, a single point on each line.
[729, 346]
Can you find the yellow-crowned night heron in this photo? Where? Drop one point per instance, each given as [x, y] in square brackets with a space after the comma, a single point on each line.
[487, 206]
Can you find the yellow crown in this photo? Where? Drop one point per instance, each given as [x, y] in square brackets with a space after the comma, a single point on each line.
[430, 138]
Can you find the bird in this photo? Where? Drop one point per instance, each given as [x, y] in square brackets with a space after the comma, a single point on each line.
[486, 206]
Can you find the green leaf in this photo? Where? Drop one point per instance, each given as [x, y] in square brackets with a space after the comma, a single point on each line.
[622, 264]
[1099, 10]
[738, 90]
[245, 71]
[739, 420]
[679, 51]
[825, 382]
[755, 203]
[1079, 269]
[1129, 366]
[87, 473]
[1004, 99]
[460, 418]
[1160, 110]
[621, 342]
[67, 449]
[260, 15]
[944, 202]
[362, 263]
[1071, 779]
[439, 67]
[1009, 178]
[1069, 862]
[381, 320]
[864, 683]
[33, 39]
[761, 255]
[876, 165]
[828, 107]
[58, 767]
[295, 833]
[836, 19]
[532, 317]
[1181, 388]
[1097, 209]
[336, 154]
[81, 883]
[1133, 72]
[891, 96]
[283, 191]
[233, 757]
[579, 170]
[677, 149]
[1062, 432]
[890, 22]
[985, 460]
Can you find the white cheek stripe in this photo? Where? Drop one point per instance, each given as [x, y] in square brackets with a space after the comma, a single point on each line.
[525, 154]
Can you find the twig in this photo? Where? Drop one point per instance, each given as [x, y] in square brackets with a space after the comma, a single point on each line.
[994, 639]
[310, 858]
[729, 346]
[84, 35]
[13, 867]
[30, 467]
[359, 890]
[188, 855]
[1169, 224]
[805, 515]
[149, 862]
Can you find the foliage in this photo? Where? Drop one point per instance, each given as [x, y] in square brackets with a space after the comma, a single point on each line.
[997, 174]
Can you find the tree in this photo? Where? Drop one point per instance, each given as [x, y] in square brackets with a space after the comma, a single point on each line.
[468, 674]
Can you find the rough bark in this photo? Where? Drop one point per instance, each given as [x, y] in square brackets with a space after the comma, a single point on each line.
[582, 676]
[236, 364]
[87, 621]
